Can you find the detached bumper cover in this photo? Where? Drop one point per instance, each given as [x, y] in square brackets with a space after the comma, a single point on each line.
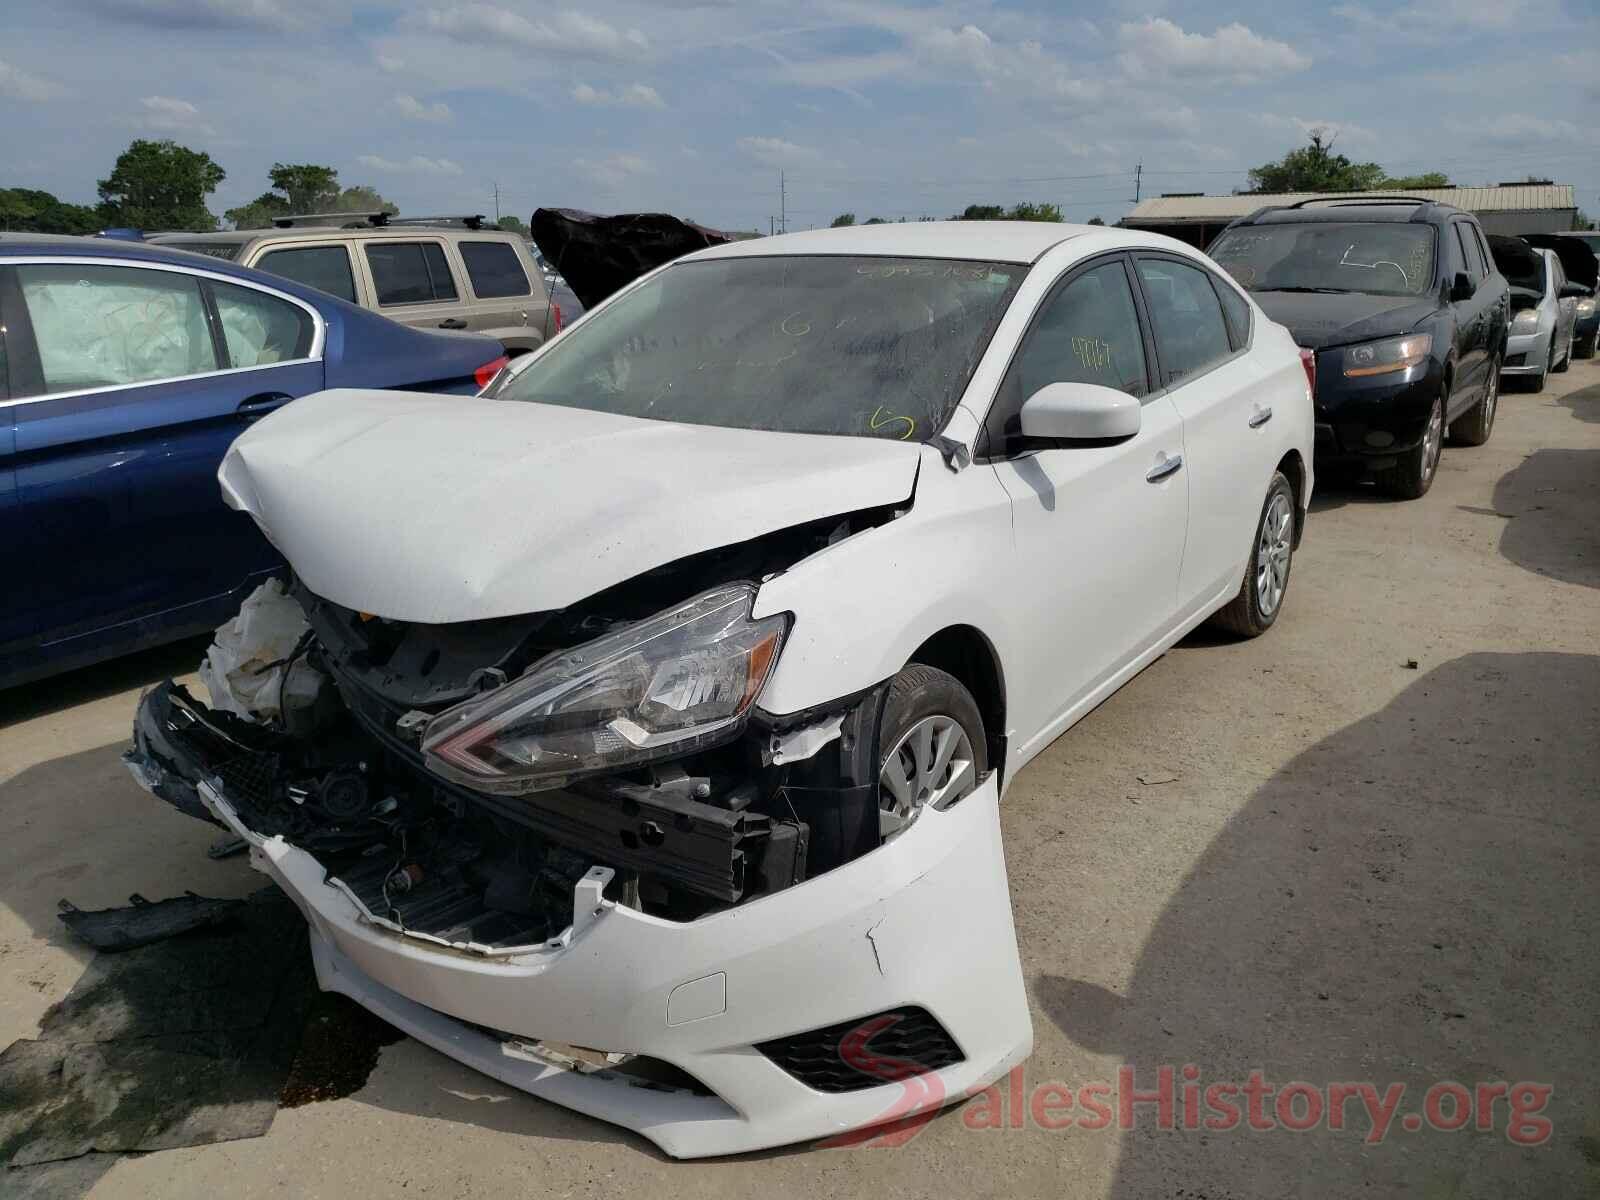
[922, 922]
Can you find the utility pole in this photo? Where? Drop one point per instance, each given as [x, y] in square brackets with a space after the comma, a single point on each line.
[497, 202]
[771, 225]
[1138, 181]
[783, 203]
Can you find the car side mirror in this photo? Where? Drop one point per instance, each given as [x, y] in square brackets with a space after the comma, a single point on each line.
[1575, 291]
[1461, 288]
[1080, 412]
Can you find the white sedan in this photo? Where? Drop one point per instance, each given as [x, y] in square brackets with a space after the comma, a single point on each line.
[635, 731]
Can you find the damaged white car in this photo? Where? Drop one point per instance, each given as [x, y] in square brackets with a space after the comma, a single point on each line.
[638, 728]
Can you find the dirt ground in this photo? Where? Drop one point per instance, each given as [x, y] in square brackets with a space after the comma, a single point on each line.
[1378, 861]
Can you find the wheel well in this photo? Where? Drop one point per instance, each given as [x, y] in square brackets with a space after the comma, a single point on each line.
[965, 653]
[1294, 470]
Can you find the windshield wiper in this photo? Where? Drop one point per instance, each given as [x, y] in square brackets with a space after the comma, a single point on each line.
[1338, 291]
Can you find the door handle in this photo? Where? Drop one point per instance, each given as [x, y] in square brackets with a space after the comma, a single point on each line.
[1167, 466]
[1260, 417]
[453, 323]
[260, 406]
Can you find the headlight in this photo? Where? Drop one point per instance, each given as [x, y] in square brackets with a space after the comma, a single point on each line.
[1391, 354]
[1526, 321]
[676, 682]
[1586, 308]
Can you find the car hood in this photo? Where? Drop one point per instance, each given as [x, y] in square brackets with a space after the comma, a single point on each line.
[440, 509]
[1319, 319]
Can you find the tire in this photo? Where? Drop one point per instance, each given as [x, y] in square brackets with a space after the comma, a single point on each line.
[1266, 576]
[1473, 427]
[1587, 347]
[1536, 384]
[921, 696]
[1413, 475]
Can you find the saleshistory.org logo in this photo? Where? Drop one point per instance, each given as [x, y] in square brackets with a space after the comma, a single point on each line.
[1181, 1100]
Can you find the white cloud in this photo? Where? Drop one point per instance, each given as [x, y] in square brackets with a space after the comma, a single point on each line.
[1303, 127]
[634, 95]
[614, 169]
[415, 165]
[1520, 128]
[17, 84]
[280, 16]
[778, 152]
[415, 110]
[1437, 19]
[166, 114]
[387, 62]
[1024, 67]
[1157, 50]
[569, 33]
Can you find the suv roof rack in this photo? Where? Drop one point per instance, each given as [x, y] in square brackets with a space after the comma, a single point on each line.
[297, 220]
[470, 220]
[1356, 199]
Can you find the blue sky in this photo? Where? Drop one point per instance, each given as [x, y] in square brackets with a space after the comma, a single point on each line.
[870, 106]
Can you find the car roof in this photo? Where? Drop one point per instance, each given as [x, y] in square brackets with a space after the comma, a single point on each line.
[17, 245]
[990, 241]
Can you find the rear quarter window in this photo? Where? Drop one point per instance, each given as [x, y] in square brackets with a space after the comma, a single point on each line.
[495, 269]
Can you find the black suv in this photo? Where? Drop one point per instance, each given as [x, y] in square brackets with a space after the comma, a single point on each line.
[1406, 312]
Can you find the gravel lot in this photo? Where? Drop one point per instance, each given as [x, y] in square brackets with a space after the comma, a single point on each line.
[1361, 871]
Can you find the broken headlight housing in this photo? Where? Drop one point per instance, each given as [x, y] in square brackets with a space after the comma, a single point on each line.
[676, 682]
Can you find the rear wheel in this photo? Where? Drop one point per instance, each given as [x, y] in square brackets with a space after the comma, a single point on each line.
[1587, 347]
[1472, 428]
[931, 738]
[1412, 476]
[1266, 576]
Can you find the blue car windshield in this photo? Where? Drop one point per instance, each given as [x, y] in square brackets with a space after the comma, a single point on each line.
[868, 347]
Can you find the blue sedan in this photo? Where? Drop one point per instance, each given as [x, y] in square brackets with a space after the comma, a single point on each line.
[126, 370]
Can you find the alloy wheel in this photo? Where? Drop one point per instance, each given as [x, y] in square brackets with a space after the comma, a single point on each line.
[1433, 440]
[1272, 554]
[931, 764]
[1492, 397]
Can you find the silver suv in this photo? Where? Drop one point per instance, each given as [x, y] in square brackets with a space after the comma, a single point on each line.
[429, 272]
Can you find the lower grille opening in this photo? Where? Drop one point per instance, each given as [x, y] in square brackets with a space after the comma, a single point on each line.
[866, 1052]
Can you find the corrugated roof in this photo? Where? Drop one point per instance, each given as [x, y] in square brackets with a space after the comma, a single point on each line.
[1523, 198]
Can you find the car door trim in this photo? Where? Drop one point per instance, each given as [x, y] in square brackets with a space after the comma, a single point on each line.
[1167, 467]
[1260, 417]
[318, 330]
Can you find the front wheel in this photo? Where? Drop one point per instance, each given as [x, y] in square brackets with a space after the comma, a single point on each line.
[1266, 576]
[1412, 476]
[1472, 428]
[932, 745]
[1587, 347]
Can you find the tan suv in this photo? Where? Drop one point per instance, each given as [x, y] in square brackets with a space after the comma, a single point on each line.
[430, 272]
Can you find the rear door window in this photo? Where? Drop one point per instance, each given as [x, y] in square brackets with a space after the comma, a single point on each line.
[326, 268]
[410, 272]
[1237, 311]
[259, 329]
[1191, 334]
[494, 269]
[1476, 268]
[101, 326]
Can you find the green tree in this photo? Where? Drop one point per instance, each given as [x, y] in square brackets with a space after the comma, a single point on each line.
[160, 185]
[1316, 168]
[876, 221]
[1580, 220]
[361, 198]
[513, 225]
[1097, 220]
[1034, 212]
[981, 212]
[1428, 179]
[26, 210]
[259, 213]
[309, 187]
[841, 220]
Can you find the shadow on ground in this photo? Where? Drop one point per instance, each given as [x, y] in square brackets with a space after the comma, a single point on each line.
[95, 682]
[1550, 503]
[1413, 900]
[1585, 404]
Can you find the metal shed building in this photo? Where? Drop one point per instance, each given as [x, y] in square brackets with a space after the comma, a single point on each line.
[1513, 209]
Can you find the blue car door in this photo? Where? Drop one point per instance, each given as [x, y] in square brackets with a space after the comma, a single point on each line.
[128, 384]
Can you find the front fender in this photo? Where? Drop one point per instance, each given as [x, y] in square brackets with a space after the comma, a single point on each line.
[862, 606]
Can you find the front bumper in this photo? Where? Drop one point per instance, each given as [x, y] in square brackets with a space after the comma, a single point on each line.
[1527, 354]
[1374, 419]
[923, 921]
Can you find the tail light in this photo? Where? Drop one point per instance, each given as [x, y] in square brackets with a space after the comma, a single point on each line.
[485, 374]
[1308, 360]
[555, 311]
